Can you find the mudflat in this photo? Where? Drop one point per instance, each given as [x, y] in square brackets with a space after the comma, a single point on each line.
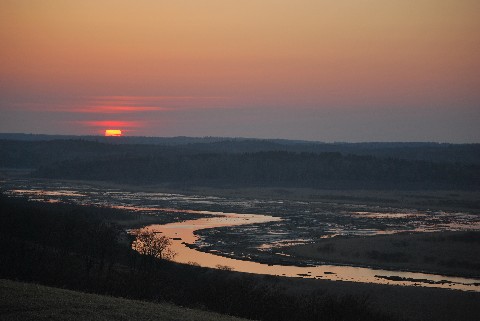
[448, 253]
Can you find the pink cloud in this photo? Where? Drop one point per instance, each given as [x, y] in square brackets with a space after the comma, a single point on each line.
[116, 109]
[113, 124]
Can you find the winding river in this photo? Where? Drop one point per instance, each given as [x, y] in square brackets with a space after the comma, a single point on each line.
[182, 234]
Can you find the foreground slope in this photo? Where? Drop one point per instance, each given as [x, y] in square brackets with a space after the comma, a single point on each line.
[24, 301]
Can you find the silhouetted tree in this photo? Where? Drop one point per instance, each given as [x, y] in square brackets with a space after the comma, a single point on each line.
[153, 247]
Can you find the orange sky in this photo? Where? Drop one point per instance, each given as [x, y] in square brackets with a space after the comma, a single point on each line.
[307, 55]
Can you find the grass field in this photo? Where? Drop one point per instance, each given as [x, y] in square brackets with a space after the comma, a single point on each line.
[24, 301]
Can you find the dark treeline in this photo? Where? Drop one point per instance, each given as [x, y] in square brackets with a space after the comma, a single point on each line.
[289, 169]
[246, 163]
[149, 140]
[31, 152]
[80, 248]
[433, 152]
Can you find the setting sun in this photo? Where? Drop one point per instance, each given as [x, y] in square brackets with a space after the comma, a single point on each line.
[113, 132]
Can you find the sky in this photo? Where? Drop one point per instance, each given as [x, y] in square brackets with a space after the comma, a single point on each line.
[323, 70]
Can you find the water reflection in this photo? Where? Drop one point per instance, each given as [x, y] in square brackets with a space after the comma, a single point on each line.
[183, 237]
[278, 223]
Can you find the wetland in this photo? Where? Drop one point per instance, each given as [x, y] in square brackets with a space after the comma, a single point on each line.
[369, 242]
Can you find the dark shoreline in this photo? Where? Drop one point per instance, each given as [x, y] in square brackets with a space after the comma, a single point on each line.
[267, 260]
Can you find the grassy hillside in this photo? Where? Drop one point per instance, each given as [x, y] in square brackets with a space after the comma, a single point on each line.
[23, 301]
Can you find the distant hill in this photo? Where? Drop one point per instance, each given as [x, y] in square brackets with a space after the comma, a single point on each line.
[34, 154]
[270, 169]
[223, 162]
[178, 140]
[26, 144]
[434, 152]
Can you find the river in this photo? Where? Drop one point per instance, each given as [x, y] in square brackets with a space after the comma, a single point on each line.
[182, 233]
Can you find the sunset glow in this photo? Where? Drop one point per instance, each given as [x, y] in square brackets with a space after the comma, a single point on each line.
[318, 70]
[113, 132]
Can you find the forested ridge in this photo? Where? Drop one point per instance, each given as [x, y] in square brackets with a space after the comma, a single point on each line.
[269, 169]
[15, 146]
[252, 163]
